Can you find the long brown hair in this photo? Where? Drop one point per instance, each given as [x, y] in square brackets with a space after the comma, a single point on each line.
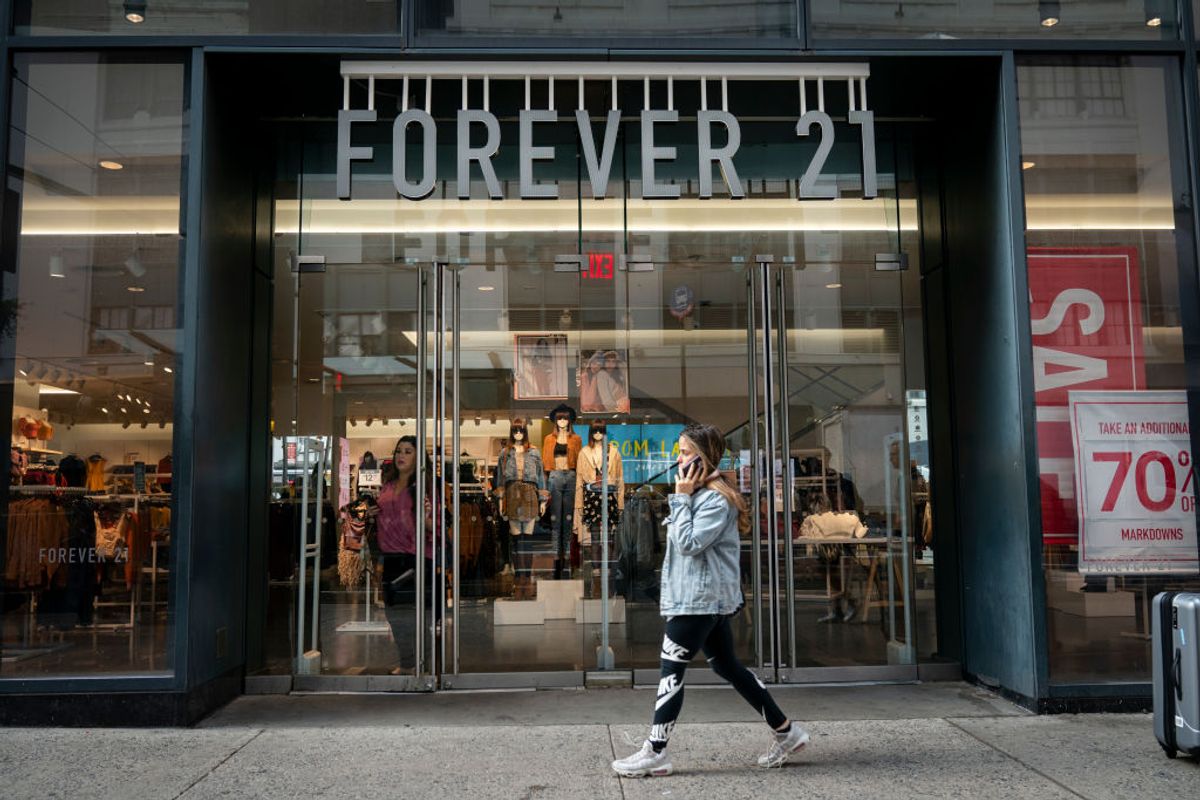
[709, 444]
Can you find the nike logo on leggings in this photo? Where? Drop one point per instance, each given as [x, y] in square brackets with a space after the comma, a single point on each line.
[674, 652]
[668, 687]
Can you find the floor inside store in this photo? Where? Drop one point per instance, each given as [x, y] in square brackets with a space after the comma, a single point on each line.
[562, 644]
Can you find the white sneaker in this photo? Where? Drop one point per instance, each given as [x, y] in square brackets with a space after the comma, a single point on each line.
[784, 746]
[644, 762]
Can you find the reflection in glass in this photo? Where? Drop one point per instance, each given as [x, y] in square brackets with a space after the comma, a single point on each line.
[192, 17]
[746, 19]
[1147, 20]
[96, 166]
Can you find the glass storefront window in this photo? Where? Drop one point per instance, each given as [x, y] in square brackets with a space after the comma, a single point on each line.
[1102, 149]
[676, 19]
[194, 17]
[641, 314]
[92, 319]
[1145, 20]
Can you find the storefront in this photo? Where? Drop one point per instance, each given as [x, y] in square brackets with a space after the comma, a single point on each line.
[270, 295]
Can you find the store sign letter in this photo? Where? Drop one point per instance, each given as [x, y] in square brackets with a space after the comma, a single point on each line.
[598, 157]
[1086, 319]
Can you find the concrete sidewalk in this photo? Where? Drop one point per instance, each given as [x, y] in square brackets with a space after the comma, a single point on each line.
[928, 741]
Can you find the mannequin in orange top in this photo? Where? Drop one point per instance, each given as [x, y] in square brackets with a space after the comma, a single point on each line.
[560, 454]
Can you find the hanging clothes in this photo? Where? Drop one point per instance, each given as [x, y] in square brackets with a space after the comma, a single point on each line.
[95, 472]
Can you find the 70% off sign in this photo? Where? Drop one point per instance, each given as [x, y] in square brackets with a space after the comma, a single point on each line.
[1136, 481]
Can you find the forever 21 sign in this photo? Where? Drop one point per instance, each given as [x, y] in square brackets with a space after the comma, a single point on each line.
[598, 156]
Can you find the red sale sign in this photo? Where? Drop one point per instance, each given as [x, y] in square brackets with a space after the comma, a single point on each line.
[1137, 487]
[1085, 311]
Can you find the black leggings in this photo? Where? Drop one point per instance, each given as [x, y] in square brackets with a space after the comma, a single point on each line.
[683, 638]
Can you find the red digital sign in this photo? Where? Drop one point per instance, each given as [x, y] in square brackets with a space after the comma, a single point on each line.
[599, 266]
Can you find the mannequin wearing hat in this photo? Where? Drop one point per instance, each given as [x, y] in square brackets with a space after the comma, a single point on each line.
[560, 454]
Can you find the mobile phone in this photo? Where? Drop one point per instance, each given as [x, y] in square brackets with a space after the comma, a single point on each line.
[687, 465]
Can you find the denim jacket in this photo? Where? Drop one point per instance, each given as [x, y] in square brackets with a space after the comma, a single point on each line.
[506, 469]
[701, 572]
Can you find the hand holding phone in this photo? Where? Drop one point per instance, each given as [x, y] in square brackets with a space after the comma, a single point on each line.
[688, 475]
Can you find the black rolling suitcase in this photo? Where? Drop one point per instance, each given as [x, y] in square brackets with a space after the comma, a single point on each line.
[1177, 672]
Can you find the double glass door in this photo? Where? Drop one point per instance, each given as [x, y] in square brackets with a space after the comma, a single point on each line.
[413, 340]
[449, 360]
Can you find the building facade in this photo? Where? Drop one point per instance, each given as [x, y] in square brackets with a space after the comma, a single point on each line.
[333, 272]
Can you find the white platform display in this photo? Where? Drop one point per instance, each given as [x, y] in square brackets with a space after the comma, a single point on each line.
[519, 612]
[560, 597]
[591, 610]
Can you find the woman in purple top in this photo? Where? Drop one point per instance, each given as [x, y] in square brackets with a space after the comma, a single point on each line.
[396, 532]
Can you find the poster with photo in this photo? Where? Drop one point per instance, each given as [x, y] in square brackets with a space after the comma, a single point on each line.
[603, 381]
[540, 366]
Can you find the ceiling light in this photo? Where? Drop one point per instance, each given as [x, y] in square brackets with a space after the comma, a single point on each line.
[103, 410]
[1048, 11]
[114, 165]
[1153, 14]
[135, 11]
[1028, 164]
[487, 288]
[149, 362]
[167, 369]
[124, 410]
[57, 268]
[145, 411]
[24, 374]
[135, 289]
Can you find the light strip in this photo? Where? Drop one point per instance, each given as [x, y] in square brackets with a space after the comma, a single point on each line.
[655, 70]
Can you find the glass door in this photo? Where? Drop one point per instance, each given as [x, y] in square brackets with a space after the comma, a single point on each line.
[345, 530]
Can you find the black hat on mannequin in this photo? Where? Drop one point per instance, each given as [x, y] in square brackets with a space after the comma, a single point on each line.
[562, 408]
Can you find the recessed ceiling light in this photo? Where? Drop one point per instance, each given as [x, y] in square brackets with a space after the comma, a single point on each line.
[487, 288]
[124, 410]
[114, 165]
[148, 362]
[833, 286]
[135, 289]
[103, 409]
[145, 411]
[1028, 164]
[167, 369]
[135, 11]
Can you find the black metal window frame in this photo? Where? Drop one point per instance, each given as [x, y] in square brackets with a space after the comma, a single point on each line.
[193, 48]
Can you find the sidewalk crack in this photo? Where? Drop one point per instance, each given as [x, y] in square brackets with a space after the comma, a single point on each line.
[1009, 755]
[239, 749]
[613, 750]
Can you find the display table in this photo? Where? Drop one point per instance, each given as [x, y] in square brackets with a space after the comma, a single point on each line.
[519, 612]
[560, 597]
[873, 598]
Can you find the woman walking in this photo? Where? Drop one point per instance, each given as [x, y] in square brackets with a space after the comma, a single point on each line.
[701, 590]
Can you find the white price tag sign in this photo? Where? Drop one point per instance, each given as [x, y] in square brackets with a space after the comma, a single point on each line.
[1136, 483]
[369, 477]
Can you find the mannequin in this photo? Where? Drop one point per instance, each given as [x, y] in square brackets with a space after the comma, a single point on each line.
[521, 489]
[560, 454]
[589, 488]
